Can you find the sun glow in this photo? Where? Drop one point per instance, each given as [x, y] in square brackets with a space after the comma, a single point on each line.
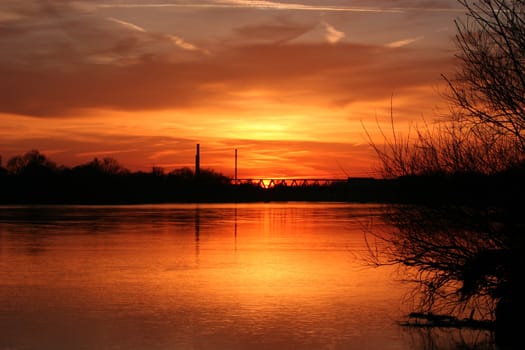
[292, 145]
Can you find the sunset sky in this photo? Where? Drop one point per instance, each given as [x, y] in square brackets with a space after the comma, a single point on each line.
[291, 84]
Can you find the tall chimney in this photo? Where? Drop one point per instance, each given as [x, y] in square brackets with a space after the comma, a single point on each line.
[197, 162]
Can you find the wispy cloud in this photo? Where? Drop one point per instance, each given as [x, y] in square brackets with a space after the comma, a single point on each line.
[177, 41]
[294, 6]
[332, 35]
[128, 24]
[105, 153]
[404, 42]
[259, 4]
[281, 31]
[183, 43]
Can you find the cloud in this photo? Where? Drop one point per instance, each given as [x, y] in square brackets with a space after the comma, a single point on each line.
[64, 36]
[332, 35]
[325, 159]
[404, 42]
[175, 39]
[128, 25]
[280, 31]
[133, 151]
[64, 62]
[292, 74]
[184, 44]
[262, 4]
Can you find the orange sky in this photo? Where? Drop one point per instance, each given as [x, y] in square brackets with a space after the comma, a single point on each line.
[290, 84]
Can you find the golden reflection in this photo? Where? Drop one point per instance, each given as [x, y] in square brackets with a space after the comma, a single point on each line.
[222, 273]
[257, 261]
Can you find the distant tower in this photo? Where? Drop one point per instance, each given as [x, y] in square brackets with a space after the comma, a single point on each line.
[235, 182]
[198, 162]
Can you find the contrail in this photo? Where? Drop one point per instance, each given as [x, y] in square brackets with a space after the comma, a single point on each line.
[273, 5]
[268, 5]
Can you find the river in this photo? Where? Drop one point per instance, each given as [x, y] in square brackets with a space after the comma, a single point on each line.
[197, 276]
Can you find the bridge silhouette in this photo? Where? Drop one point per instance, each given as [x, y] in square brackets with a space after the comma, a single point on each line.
[286, 182]
[275, 182]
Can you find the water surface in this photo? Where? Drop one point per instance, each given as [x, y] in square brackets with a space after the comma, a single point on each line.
[238, 276]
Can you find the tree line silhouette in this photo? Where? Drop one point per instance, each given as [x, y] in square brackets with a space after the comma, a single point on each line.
[33, 178]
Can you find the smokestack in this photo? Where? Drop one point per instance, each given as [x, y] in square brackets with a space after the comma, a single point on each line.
[235, 166]
[197, 162]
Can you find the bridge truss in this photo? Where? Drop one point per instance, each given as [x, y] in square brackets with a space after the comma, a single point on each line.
[273, 182]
